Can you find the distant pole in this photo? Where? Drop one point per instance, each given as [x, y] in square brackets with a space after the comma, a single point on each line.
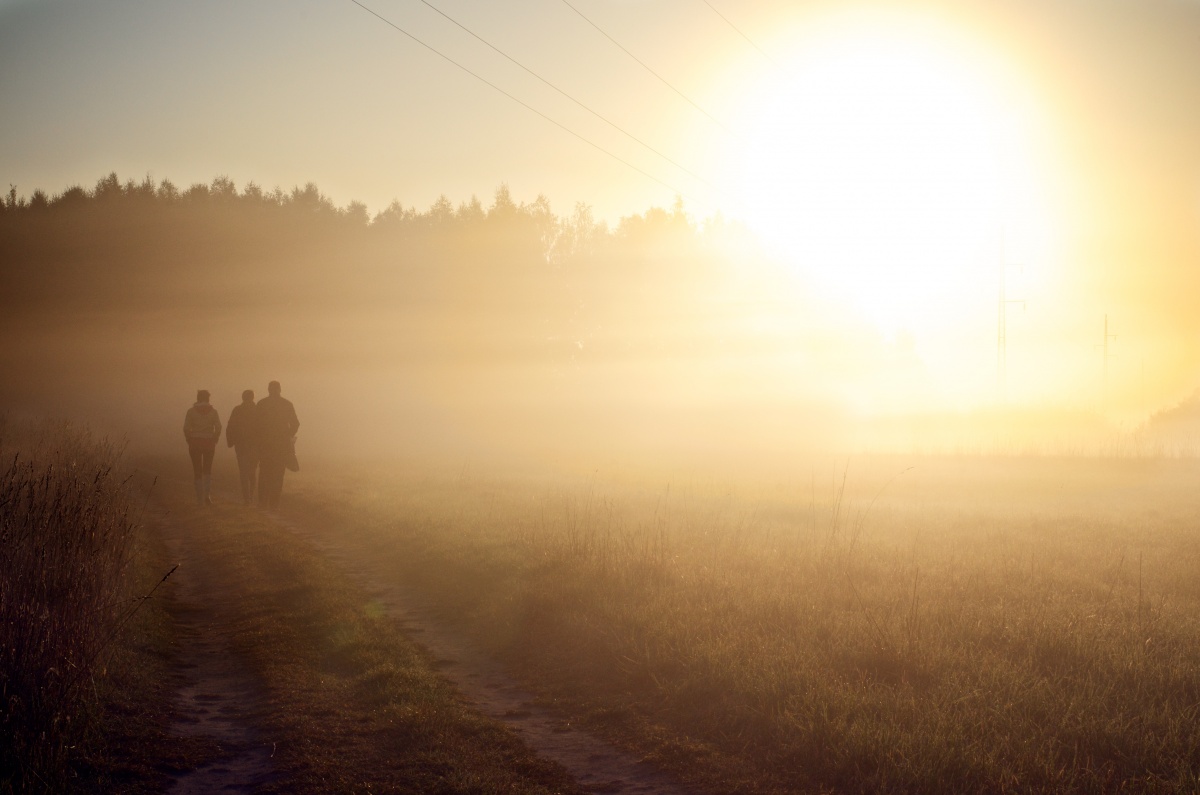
[1107, 355]
[1001, 332]
[1002, 326]
[1142, 385]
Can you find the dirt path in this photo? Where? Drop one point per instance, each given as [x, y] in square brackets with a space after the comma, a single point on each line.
[219, 701]
[215, 694]
[597, 765]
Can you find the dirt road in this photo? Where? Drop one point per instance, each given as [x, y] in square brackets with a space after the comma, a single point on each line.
[216, 693]
[285, 714]
[595, 764]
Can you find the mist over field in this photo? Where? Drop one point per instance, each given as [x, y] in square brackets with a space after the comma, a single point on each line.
[501, 333]
[672, 234]
[490, 332]
[471, 331]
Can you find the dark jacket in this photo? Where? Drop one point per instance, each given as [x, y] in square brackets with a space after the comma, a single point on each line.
[277, 424]
[242, 430]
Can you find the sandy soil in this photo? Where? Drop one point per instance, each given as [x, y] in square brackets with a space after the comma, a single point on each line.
[215, 694]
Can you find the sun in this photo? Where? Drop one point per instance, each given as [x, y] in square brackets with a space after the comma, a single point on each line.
[885, 161]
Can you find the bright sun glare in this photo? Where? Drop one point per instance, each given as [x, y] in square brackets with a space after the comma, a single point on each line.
[883, 161]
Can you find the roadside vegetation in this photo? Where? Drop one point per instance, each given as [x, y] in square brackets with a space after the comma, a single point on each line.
[73, 637]
[962, 624]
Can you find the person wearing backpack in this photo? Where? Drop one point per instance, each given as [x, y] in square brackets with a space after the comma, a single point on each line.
[202, 430]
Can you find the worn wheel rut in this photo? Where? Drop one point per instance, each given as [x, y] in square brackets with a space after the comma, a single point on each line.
[597, 765]
[215, 694]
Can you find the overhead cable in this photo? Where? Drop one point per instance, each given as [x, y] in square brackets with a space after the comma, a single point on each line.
[523, 104]
[661, 79]
[598, 115]
[738, 30]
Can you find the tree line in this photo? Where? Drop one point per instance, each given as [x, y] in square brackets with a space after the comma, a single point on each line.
[531, 225]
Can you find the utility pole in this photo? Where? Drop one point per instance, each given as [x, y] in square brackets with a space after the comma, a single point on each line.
[1002, 327]
[1142, 385]
[1107, 355]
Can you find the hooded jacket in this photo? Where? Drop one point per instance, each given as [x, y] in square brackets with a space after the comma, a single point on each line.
[202, 426]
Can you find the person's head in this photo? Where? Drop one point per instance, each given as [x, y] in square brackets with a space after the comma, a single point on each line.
[273, 388]
[201, 395]
[248, 396]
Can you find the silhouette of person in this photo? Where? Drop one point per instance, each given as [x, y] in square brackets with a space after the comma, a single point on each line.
[202, 429]
[277, 426]
[242, 435]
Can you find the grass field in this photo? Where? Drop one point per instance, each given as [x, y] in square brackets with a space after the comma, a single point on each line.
[883, 624]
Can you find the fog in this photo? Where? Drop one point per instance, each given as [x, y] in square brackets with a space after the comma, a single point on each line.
[967, 227]
[501, 333]
[454, 332]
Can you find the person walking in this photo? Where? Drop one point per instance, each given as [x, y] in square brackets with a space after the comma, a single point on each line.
[202, 430]
[277, 426]
[242, 435]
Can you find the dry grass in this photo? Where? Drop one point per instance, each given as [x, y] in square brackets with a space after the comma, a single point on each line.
[66, 528]
[989, 625]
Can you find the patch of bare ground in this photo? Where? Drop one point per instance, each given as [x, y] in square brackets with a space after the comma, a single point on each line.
[598, 766]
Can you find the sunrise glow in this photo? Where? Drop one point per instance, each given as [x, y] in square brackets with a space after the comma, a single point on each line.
[886, 160]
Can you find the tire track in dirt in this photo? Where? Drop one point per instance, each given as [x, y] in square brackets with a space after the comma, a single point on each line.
[215, 694]
[595, 764]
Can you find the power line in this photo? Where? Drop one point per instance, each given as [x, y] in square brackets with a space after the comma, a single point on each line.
[523, 104]
[738, 30]
[662, 79]
[598, 115]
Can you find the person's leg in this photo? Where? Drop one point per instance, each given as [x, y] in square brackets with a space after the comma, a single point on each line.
[246, 465]
[197, 473]
[270, 483]
[262, 483]
[207, 463]
[276, 484]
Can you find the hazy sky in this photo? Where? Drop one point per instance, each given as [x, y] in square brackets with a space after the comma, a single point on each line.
[888, 148]
[286, 92]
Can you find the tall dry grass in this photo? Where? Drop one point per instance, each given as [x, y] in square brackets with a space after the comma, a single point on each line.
[66, 527]
[972, 625]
